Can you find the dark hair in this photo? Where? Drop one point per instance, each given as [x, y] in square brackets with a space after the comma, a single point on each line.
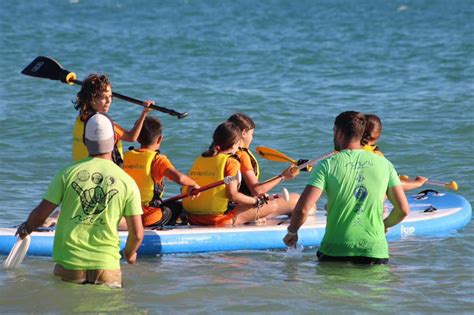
[373, 129]
[150, 132]
[351, 124]
[92, 88]
[225, 136]
[244, 122]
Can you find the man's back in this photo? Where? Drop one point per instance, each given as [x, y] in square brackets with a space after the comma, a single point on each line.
[94, 194]
[355, 182]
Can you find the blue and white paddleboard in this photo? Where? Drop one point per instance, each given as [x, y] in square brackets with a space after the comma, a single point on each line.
[432, 215]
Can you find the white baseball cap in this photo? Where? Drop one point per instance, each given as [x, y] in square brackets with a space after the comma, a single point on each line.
[99, 136]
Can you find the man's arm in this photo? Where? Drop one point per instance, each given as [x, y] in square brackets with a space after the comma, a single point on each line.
[397, 197]
[305, 205]
[37, 217]
[134, 239]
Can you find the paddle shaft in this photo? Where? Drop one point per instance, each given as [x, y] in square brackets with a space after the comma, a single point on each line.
[300, 167]
[452, 185]
[193, 192]
[141, 103]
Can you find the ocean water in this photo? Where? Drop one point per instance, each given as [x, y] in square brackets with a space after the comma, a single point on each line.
[292, 66]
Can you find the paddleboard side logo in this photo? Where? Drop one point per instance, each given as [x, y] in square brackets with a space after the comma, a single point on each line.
[407, 231]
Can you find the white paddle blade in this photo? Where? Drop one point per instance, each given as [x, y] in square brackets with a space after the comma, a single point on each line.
[285, 195]
[239, 177]
[17, 253]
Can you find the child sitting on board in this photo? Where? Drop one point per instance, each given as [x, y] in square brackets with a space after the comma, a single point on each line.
[225, 205]
[148, 167]
[250, 169]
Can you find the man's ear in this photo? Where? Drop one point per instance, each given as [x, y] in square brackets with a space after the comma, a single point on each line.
[158, 141]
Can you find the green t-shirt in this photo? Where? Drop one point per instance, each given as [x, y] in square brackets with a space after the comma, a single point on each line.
[94, 194]
[355, 182]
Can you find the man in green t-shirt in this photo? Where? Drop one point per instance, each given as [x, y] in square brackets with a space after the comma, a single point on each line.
[356, 183]
[94, 194]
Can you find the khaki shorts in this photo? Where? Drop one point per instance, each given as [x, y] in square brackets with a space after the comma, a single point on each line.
[109, 277]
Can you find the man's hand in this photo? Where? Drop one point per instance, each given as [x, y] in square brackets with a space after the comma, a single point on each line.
[22, 231]
[290, 240]
[130, 257]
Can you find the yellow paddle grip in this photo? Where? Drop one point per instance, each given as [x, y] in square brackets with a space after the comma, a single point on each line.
[70, 78]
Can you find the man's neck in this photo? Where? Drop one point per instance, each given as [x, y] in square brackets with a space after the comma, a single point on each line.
[105, 156]
[352, 145]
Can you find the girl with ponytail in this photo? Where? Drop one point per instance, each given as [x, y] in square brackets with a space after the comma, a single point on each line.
[223, 205]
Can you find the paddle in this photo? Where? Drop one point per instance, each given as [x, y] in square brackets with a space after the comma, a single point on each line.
[277, 156]
[274, 155]
[306, 164]
[48, 68]
[227, 180]
[17, 253]
[451, 185]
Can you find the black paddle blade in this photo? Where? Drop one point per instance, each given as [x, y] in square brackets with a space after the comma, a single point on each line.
[47, 68]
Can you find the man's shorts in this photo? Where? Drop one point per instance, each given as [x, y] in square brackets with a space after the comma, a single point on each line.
[109, 277]
[359, 260]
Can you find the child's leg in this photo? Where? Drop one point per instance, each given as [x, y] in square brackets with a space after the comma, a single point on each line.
[286, 207]
[176, 211]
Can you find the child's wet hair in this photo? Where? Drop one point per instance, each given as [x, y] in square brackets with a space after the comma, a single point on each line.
[225, 137]
[244, 122]
[373, 129]
[150, 132]
[92, 88]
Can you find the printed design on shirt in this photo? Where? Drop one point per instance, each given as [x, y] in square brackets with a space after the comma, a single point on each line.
[97, 178]
[360, 194]
[93, 200]
[359, 165]
[83, 175]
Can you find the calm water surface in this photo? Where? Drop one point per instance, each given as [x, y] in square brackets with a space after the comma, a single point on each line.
[292, 66]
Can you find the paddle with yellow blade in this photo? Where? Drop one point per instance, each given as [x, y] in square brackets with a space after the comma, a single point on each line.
[48, 68]
[305, 164]
[277, 156]
[451, 185]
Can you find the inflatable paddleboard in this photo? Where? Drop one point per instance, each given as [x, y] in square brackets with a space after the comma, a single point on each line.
[432, 215]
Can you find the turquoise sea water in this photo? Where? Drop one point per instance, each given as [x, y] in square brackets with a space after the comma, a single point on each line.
[292, 66]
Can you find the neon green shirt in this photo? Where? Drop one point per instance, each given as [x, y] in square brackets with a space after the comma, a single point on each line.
[355, 182]
[94, 194]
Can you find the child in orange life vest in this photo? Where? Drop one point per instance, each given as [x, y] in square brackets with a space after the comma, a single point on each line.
[223, 205]
[373, 131]
[96, 96]
[148, 168]
[250, 169]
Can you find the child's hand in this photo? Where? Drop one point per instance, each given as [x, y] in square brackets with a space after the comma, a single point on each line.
[420, 180]
[147, 104]
[291, 172]
[190, 191]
